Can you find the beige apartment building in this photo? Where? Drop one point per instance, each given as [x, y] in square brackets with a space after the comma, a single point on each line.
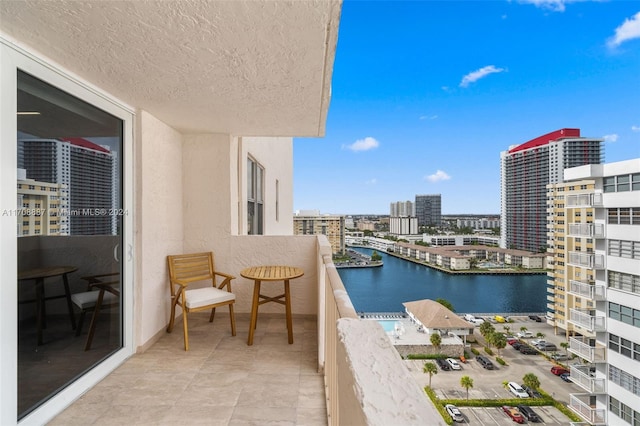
[570, 229]
[42, 208]
[332, 226]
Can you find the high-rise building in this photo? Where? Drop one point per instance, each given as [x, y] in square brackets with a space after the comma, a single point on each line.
[525, 171]
[40, 207]
[428, 209]
[86, 169]
[594, 286]
[315, 224]
[402, 209]
[403, 225]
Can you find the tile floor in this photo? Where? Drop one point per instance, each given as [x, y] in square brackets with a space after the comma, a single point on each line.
[219, 381]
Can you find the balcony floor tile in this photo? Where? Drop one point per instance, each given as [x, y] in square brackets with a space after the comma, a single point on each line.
[219, 381]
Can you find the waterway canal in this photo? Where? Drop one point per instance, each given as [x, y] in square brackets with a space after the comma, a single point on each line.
[385, 288]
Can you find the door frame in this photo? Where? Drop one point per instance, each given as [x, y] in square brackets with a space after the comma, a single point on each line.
[12, 58]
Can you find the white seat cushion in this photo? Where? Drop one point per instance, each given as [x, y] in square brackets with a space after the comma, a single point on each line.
[88, 299]
[200, 297]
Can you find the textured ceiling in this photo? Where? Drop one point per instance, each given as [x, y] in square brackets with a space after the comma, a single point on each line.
[243, 67]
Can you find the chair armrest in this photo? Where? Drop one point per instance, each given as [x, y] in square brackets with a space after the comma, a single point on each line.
[226, 282]
[222, 274]
[112, 287]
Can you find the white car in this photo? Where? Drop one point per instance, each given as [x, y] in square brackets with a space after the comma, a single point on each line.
[524, 334]
[537, 342]
[454, 412]
[517, 390]
[455, 365]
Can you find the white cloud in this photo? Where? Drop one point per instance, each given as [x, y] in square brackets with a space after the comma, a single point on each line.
[371, 181]
[635, 128]
[428, 117]
[478, 74]
[437, 176]
[554, 5]
[610, 138]
[629, 30]
[363, 144]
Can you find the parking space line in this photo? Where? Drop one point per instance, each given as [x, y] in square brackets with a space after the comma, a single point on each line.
[477, 417]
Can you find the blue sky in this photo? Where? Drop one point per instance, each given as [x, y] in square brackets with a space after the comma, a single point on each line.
[426, 94]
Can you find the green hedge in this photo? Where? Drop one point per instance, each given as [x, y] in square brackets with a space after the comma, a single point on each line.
[501, 361]
[439, 405]
[488, 350]
[536, 402]
[427, 356]
[475, 351]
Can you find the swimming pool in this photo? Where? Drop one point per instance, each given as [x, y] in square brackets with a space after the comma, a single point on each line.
[389, 325]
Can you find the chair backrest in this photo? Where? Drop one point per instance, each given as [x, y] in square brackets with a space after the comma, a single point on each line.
[190, 267]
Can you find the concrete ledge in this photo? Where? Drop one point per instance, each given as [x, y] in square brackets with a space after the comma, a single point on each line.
[375, 387]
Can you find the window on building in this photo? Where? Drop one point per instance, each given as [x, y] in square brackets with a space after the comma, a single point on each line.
[255, 197]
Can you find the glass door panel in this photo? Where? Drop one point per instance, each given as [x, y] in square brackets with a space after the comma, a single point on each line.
[69, 213]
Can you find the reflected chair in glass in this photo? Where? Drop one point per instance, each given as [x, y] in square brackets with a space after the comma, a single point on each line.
[188, 269]
[86, 300]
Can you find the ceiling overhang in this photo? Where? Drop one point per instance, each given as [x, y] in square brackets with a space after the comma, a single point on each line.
[248, 68]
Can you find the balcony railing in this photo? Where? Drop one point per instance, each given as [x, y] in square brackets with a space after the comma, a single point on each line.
[358, 360]
[581, 376]
[586, 348]
[587, 260]
[594, 292]
[587, 320]
[589, 230]
[594, 416]
[584, 200]
[551, 306]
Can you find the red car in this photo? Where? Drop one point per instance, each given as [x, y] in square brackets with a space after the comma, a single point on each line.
[558, 370]
[513, 412]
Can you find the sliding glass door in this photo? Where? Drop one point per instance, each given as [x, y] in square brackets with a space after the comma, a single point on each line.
[72, 236]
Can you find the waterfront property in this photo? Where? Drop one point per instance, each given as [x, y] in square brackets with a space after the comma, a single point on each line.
[200, 102]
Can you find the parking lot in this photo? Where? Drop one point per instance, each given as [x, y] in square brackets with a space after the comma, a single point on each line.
[488, 384]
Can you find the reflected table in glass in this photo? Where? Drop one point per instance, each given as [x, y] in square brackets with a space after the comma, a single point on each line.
[38, 275]
[270, 273]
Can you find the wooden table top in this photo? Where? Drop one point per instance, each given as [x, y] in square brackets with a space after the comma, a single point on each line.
[45, 272]
[272, 273]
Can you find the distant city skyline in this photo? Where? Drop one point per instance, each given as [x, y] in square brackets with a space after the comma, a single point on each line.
[425, 96]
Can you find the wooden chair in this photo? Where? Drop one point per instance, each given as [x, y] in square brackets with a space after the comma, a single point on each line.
[185, 269]
[86, 300]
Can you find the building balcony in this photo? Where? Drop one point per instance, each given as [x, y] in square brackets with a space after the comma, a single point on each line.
[587, 260]
[551, 306]
[587, 320]
[551, 297]
[584, 200]
[337, 363]
[583, 377]
[595, 292]
[584, 406]
[589, 230]
[587, 349]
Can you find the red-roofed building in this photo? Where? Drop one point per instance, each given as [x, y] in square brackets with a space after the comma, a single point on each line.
[526, 169]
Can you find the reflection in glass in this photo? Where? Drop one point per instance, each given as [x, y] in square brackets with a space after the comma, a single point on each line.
[69, 227]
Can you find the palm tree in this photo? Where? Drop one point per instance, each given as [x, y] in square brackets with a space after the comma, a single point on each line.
[523, 329]
[540, 335]
[436, 340]
[486, 329]
[531, 380]
[445, 303]
[466, 382]
[565, 346]
[506, 329]
[430, 369]
[499, 340]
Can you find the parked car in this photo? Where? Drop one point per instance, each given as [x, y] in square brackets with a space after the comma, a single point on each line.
[565, 377]
[532, 392]
[547, 347]
[499, 318]
[513, 413]
[454, 412]
[529, 414]
[536, 318]
[558, 370]
[485, 362]
[517, 345]
[559, 357]
[511, 340]
[517, 390]
[536, 342]
[444, 365]
[454, 364]
[527, 350]
[524, 334]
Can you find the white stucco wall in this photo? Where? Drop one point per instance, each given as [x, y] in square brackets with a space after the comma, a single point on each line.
[276, 156]
[159, 220]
